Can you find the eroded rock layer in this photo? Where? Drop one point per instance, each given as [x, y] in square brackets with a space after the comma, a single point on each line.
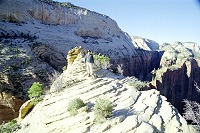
[134, 111]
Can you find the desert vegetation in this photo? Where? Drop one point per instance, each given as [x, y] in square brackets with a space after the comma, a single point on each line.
[102, 109]
[102, 61]
[35, 91]
[192, 110]
[137, 84]
[74, 105]
[64, 68]
[9, 127]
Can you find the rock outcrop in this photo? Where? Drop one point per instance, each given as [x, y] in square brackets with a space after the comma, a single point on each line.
[178, 74]
[140, 65]
[50, 55]
[134, 111]
[192, 46]
[9, 107]
[36, 36]
[144, 43]
[21, 65]
[73, 54]
[25, 108]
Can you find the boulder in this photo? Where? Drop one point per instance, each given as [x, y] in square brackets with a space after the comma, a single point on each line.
[25, 108]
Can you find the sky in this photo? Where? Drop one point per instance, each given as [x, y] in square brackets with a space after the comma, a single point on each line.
[164, 21]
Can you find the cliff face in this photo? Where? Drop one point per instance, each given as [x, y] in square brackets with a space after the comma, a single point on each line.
[178, 74]
[36, 35]
[176, 85]
[41, 33]
[140, 65]
[144, 43]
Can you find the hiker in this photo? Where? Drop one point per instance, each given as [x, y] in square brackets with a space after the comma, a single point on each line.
[89, 60]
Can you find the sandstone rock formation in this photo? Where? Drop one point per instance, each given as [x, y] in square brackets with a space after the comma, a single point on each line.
[73, 54]
[178, 74]
[192, 46]
[144, 43]
[36, 35]
[134, 111]
[53, 57]
[9, 107]
[60, 28]
[25, 108]
[20, 66]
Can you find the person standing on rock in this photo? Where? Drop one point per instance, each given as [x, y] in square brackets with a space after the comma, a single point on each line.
[89, 61]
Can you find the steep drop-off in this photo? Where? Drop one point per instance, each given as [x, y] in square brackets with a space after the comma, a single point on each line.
[178, 75]
[37, 34]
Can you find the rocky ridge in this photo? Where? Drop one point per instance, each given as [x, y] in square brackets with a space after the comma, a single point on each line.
[134, 111]
[35, 36]
[34, 42]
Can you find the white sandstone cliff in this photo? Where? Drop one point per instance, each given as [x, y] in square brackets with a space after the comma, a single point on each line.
[62, 27]
[144, 43]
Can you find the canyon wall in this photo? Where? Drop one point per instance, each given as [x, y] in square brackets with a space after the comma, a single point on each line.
[177, 85]
[178, 75]
[36, 35]
[42, 32]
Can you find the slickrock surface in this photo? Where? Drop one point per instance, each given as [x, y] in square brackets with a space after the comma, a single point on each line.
[134, 111]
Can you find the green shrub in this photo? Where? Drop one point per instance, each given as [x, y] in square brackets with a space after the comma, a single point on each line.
[102, 109]
[102, 61]
[9, 127]
[35, 92]
[74, 105]
[137, 84]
